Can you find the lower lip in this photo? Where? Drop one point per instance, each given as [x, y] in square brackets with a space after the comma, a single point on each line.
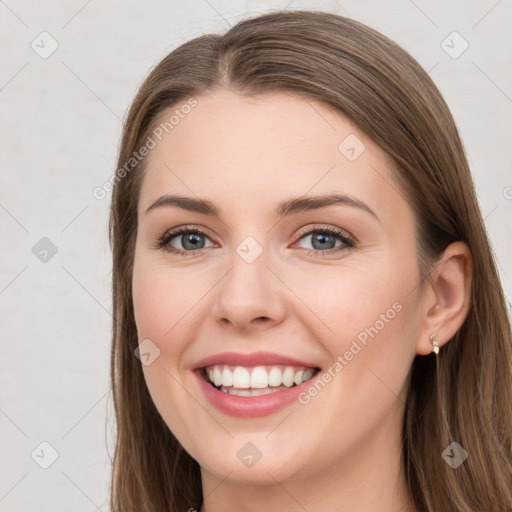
[250, 406]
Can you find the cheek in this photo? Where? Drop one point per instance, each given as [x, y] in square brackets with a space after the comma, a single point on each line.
[365, 316]
[164, 299]
[349, 300]
[373, 319]
[163, 302]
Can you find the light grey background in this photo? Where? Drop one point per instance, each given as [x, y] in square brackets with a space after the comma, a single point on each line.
[59, 129]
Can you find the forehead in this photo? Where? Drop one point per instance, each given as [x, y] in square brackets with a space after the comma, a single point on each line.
[258, 150]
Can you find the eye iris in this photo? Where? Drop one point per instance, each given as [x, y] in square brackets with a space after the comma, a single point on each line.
[324, 240]
[194, 239]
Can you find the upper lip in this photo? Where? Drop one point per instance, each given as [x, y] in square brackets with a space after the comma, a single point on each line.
[251, 359]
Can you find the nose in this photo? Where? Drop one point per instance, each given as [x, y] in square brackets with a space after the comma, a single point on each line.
[249, 297]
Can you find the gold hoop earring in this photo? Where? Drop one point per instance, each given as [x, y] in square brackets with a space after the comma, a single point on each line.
[435, 342]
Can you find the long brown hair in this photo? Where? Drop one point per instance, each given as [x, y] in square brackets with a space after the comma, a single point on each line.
[465, 396]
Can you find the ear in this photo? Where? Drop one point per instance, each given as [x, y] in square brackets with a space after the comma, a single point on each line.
[447, 297]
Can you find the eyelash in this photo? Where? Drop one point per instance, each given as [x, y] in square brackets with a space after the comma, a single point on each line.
[163, 242]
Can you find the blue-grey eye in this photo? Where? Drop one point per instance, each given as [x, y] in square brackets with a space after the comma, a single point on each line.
[323, 241]
[192, 241]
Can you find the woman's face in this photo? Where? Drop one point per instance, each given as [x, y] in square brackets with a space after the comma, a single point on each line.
[270, 285]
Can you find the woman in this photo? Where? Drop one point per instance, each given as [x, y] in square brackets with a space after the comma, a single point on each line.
[308, 315]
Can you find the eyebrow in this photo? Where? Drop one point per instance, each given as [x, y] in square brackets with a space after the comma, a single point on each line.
[286, 208]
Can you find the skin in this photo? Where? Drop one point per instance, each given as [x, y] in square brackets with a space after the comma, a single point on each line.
[341, 451]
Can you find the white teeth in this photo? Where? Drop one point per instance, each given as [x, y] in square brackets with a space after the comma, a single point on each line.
[241, 378]
[288, 377]
[243, 392]
[217, 376]
[227, 377]
[275, 377]
[251, 392]
[308, 374]
[258, 378]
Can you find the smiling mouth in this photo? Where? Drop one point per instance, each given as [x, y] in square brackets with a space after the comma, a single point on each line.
[256, 380]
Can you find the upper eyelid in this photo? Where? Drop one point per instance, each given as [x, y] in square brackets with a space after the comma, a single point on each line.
[172, 233]
[319, 227]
